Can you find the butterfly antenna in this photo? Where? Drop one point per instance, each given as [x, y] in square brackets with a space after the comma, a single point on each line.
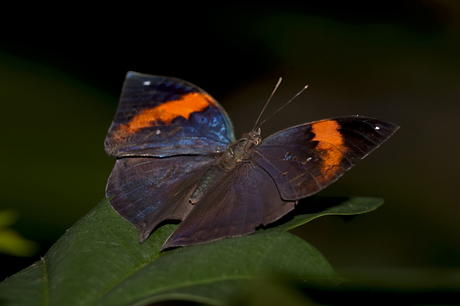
[295, 96]
[268, 101]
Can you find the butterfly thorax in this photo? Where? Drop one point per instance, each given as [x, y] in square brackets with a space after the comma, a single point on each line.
[237, 152]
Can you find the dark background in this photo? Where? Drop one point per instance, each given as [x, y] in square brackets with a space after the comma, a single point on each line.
[61, 71]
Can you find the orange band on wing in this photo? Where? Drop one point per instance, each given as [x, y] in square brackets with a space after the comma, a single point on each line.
[166, 112]
[330, 145]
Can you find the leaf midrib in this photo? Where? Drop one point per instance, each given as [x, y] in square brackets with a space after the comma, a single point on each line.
[46, 283]
[205, 281]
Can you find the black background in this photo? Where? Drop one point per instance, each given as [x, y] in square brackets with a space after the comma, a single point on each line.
[62, 68]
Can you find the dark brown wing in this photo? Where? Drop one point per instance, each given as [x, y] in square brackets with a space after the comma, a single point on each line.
[306, 158]
[246, 198]
[148, 190]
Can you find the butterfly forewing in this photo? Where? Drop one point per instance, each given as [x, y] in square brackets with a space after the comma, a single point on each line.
[307, 158]
[163, 116]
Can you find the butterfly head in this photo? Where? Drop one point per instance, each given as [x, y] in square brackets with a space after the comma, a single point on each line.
[252, 138]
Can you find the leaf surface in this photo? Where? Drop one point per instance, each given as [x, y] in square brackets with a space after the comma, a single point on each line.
[99, 261]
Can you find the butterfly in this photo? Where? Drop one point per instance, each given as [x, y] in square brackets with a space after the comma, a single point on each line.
[178, 159]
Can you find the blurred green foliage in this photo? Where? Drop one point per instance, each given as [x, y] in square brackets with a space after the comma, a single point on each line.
[11, 242]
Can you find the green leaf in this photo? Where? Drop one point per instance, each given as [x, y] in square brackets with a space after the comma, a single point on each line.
[99, 261]
[315, 207]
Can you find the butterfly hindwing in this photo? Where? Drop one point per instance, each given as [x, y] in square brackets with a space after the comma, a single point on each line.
[164, 116]
[307, 158]
[149, 190]
[245, 199]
